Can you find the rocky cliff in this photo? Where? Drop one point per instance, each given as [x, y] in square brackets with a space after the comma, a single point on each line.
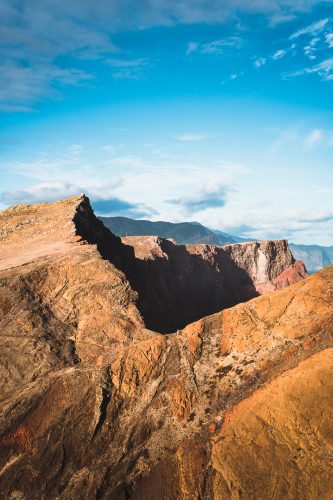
[95, 406]
[178, 284]
[315, 257]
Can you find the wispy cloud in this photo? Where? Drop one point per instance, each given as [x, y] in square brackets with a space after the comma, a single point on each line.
[256, 223]
[311, 48]
[112, 148]
[314, 138]
[216, 47]
[22, 86]
[38, 38]
[192, 47]
[276, 56]
[323, 69]
[329, 39]
[232, 77]
[191, 137]
[260, 61]
[128, 68]
[311, 29]
[279, 54]
[101, 197]
[301, 138]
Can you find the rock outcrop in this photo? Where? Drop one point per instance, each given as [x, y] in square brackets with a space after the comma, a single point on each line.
[314, 257]
[93, 405]
[178, 284]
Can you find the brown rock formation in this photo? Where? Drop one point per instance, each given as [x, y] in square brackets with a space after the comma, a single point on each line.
[178, 284]
[95, 406]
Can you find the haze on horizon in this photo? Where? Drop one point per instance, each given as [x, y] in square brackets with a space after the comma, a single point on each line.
[218, 112]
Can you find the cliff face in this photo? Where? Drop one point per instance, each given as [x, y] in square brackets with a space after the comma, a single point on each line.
[95, 406]
[60, 301]
[178, 284]
[315, 257]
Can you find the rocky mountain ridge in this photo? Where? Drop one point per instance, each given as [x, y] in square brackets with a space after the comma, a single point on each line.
[178, 284]
[181, 232]
[94, 405]
[314, 257]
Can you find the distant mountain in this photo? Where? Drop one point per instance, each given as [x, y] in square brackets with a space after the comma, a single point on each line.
[237, 239]
[314, 257]
[182, 232]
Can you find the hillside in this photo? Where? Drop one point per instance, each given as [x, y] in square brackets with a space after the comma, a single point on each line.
[182, 232]
[94, 405]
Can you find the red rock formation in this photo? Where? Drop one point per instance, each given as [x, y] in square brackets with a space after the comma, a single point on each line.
[178, 284]
[95, 406]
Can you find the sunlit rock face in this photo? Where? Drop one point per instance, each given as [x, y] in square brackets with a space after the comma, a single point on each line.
[95, 405]
[178, 284]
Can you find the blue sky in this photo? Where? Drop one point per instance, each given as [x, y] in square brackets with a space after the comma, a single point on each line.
[218, 112]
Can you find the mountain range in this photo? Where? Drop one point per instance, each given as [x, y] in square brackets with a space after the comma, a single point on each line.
[315, 257]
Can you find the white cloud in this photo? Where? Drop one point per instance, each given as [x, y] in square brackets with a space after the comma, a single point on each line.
[300, 226]
[312, 29]
[216, 47]
[306, 139]
[128, 68]
[323, 69]
[260, 62]
[112, 148]
[232, 77]
[211, 195]
[279, 54]
[53, 191]
[22, 86]
[75, 149]
[40, 192]
[102, 197]
[36, 35]
[329, 39]
[192, 47]
[314, 41]
[314, 138]
[284, 139]
[191, 137]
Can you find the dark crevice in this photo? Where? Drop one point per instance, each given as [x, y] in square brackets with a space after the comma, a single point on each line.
[102, 409]
[172, 292]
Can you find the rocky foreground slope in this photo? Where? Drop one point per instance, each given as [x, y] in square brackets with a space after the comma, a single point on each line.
[95, 405]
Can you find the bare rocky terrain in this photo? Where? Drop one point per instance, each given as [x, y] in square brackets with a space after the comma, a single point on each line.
[178, 284]
[94, 404]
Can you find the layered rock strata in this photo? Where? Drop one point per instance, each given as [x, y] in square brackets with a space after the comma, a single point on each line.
[178, 284]
[95, 406]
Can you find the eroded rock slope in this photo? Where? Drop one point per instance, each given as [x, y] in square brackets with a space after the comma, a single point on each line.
[178, 284]
[95, 406]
